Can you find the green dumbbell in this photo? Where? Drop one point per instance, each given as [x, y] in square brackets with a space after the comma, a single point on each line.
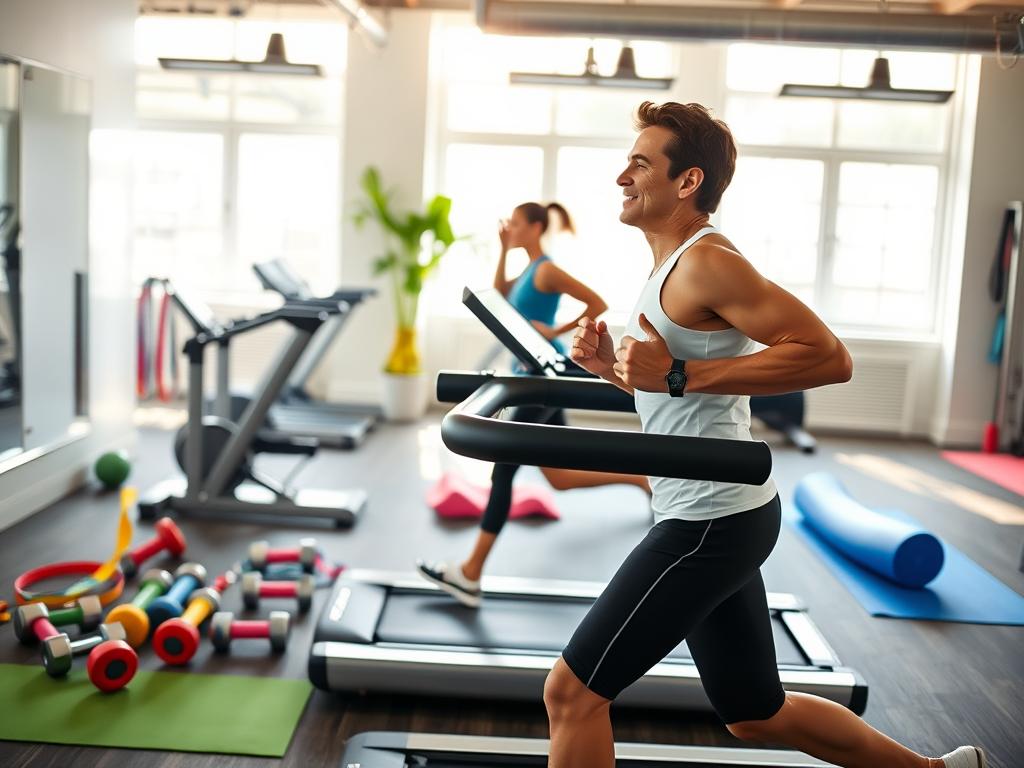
[35, 621]
[133, 615]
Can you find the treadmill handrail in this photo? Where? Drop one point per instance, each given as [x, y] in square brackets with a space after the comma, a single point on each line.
[469, 429]
[293, 312]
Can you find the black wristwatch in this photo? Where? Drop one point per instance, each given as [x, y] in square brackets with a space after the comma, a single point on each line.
[676, 378]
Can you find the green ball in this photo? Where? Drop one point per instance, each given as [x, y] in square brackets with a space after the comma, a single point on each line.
[112, 468]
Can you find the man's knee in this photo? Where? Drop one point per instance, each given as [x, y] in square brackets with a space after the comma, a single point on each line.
[565, 696]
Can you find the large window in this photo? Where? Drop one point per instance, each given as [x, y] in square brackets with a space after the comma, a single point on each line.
[499, 145]
[840, 201]
[237, 168]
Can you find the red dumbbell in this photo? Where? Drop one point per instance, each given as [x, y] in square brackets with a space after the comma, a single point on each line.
[261, 554]
[111, 664]
[176, 640]
[168, 537]
[224, 628]
[254, 587]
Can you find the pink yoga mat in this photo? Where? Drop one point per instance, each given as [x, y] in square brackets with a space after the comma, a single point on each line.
[1001, 468]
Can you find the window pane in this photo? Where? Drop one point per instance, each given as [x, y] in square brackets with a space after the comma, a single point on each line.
[772, 212]
[288, 204]
[610, 257]
[769, 120]
[498, 108]
[178, 208]
[597, 112]
[191, 38]
[472, 173]
[287, 99]
[883, 260]
[892, 126]
[182, 95]
[764, 68]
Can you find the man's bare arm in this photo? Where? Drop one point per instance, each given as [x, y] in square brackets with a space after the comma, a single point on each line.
[801, 352]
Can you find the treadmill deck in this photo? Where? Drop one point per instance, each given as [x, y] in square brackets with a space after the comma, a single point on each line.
[395, 633]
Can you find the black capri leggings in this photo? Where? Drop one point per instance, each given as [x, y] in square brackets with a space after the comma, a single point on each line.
[698, 581]
[500, 501]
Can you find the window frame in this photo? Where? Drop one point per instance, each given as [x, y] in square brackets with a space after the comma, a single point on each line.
[832, 158]
[231, 134]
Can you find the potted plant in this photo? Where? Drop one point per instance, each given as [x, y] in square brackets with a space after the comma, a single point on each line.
[415, 244]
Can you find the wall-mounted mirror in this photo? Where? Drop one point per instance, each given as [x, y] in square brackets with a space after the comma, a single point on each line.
[45, 121]
[10, 262]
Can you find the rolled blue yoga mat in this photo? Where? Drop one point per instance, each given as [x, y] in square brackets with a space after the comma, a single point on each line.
[900, 551]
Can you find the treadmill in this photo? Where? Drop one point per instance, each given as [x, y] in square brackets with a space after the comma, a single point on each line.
[397, 633]
[216, 452]
[297, 413]
[392, 749]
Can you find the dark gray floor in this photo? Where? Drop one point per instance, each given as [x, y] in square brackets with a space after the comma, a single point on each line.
[933, 686]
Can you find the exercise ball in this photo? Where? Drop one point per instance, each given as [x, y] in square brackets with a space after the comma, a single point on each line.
[112, 468]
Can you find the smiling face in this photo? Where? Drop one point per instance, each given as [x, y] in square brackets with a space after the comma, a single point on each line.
[651, 197]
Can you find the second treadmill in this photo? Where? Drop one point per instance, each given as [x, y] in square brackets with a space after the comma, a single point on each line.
[297, 413]
[392, 749]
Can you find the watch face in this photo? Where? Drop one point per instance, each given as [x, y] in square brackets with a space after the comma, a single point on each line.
[676, 379]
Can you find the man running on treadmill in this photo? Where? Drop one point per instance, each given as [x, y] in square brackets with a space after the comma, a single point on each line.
[691, 356]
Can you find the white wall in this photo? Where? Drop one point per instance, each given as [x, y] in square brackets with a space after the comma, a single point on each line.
[996, 163]
[93, 39]
[385, 122]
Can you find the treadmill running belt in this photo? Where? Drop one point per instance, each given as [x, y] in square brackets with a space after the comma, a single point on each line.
[511, 623]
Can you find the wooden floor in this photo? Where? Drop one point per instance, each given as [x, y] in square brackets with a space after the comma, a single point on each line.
[932, 686]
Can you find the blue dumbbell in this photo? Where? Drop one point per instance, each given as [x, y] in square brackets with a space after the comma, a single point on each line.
[188, 577]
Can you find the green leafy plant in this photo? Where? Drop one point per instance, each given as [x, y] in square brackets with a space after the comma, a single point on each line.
[416, 244]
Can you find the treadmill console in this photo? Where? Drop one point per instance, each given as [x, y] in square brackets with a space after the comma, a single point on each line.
[538, 355]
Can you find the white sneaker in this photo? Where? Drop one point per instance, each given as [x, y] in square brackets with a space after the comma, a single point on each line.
[452, 580]
[965, 757]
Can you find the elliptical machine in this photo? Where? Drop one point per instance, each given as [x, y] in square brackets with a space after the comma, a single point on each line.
[216, 452]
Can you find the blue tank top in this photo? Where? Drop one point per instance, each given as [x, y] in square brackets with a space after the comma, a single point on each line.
[532, 303]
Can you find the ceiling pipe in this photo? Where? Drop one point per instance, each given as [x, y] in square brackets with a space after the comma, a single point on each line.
[361, 19]
[961, 33]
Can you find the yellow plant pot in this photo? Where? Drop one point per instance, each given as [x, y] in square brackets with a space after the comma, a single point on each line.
[405, 354]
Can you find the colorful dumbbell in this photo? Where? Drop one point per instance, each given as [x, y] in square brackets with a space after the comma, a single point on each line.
[168, 537]
[112, 662]
[224, 628]
[176, 640]
[254, 587]
[34, 621]
[132, 616]
[188, 578]
[261, 554]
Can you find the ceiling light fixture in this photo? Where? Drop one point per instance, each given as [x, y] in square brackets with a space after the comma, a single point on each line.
[625, 75]
[879, 88]
[274, 62]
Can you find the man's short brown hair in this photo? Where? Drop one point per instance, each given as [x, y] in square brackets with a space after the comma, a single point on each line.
[700, 141]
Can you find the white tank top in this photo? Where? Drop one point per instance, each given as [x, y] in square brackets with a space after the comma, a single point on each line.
[695, 415]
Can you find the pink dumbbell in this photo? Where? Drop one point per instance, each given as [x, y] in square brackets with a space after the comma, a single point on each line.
[261, 554]
[254, 587]
[168, 536]
[224, 628]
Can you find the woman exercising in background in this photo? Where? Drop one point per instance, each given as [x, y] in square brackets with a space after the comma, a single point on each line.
[535, 293]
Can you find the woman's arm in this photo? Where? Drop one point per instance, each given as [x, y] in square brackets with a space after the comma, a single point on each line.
[501, 284]
[551, 279]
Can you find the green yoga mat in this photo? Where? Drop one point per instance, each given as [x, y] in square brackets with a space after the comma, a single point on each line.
[182, 712]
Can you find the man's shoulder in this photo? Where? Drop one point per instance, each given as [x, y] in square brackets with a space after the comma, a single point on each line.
[713, 253]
